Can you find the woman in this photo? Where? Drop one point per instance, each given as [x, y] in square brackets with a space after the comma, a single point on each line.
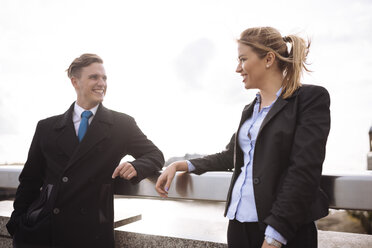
[277, 152]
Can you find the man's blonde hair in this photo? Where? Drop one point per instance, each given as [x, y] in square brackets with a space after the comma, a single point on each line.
[86, 59]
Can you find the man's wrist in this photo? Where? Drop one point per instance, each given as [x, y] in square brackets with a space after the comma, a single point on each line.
[273, 242]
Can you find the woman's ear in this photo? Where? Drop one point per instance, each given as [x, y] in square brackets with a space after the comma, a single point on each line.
[269, 59]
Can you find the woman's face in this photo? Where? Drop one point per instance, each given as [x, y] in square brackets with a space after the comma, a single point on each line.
[250, 67]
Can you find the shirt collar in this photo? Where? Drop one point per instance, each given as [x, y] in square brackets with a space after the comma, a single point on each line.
[279, 92]
[78, 110]
[258, 95]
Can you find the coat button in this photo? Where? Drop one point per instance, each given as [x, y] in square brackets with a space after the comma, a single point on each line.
[65, 179]
[256, 180]
[56, 211]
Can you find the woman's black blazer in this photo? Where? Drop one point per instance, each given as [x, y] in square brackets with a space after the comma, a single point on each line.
[288, 159]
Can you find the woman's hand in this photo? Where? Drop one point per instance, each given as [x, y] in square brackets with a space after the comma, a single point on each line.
[165, 179]
[266, 245]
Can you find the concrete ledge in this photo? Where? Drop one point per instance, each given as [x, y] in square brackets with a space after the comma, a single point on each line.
[5, 210]
[327, 239]
[6, 242]
[183, 224]
[131, 240]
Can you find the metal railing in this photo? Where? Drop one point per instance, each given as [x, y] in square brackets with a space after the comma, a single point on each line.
[369, 154]
[352, 192]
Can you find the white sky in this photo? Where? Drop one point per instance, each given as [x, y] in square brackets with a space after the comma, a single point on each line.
[171, 65]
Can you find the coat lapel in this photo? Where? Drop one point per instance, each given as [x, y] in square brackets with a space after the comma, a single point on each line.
[66, 135]
[275, 109]
[278, 105]
[98, 130]
[247, 112]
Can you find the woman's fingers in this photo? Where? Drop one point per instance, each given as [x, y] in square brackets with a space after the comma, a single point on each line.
[164, 182]
[159, 185]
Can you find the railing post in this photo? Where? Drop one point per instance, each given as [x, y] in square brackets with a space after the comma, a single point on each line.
[370, 139]
[369, 155]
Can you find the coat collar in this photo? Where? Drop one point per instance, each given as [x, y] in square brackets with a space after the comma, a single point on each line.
[66, 118]
[278, 105]
[247, 111]
[66, 135]
[275, 109]
[98, 130]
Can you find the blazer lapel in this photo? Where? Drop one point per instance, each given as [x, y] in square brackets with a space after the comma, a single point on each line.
[247, 111]
[98, 130]
[66, 137]
[275, 109]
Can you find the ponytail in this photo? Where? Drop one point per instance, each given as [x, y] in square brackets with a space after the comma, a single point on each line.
[295, 64]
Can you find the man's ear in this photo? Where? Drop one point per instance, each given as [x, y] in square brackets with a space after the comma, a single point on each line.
[74, 82]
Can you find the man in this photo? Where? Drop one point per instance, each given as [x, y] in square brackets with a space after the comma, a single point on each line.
[65, 196]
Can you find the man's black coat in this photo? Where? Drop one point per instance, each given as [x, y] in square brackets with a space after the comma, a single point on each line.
[65, 196]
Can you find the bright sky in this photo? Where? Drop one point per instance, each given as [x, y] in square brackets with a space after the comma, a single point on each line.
[171, 65]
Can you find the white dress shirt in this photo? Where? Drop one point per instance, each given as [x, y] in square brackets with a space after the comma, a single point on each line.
[76, 115]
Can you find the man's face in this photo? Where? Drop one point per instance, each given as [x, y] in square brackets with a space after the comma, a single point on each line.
[91, 86]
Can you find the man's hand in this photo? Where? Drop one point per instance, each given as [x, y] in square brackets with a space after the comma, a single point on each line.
[125, 170]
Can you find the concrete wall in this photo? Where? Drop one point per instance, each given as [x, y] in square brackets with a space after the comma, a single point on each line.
[137, 240]
[160, 229]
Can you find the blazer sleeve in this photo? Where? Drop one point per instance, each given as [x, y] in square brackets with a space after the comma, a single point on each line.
[301, 182]
[148, 158]
[222, 161]
[31, 180]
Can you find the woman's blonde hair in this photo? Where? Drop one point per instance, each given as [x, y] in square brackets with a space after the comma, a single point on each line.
[267, 39]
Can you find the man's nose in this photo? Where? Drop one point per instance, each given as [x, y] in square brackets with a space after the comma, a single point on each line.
[101, 81]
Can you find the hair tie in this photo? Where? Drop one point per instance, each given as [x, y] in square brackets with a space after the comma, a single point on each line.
[286, 39]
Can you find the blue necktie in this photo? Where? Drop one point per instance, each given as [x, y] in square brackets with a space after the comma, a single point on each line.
[84, 124]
